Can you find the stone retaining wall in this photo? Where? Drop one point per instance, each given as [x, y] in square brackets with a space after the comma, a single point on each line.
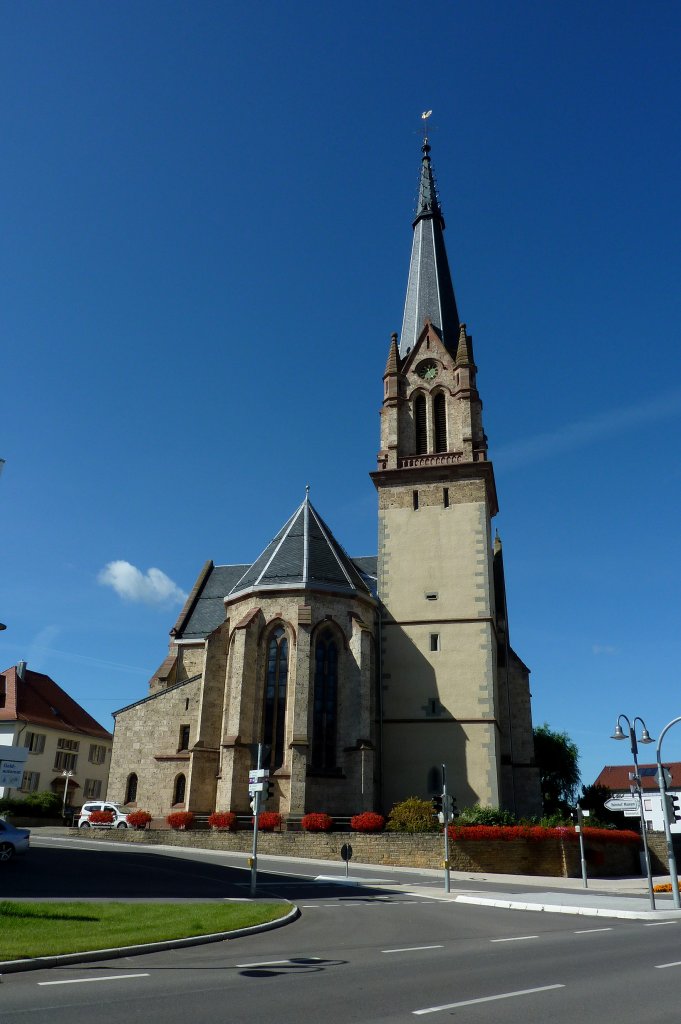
[520, 857]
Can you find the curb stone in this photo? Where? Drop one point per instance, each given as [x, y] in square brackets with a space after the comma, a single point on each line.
[40, 963]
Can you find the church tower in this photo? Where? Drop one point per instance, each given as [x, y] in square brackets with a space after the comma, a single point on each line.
[452, 690]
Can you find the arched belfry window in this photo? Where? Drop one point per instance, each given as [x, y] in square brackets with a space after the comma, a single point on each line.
[440, 422]
[131, 789]
[180, 789]
[274, 712]
[325, 707]
[420, 425]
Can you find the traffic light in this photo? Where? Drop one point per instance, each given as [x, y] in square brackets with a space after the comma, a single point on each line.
[673, 808]
[268, 790]
[436, 802]
[452, 809]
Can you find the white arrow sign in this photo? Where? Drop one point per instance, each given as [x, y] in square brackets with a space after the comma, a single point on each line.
[622, 803]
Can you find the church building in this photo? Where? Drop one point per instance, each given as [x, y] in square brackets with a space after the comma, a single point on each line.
[360, 675]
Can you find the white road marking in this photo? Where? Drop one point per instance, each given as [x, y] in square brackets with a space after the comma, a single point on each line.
[410, 949]
[516, 938]
[588, 931]
[487, 999]
[81, 981]
[660, 967]
[273, 963]
[656, 924]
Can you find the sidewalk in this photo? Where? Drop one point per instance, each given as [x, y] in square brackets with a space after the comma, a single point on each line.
[626, 898]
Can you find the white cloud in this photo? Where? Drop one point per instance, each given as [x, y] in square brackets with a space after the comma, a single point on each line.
[130, 583]
[603, 649]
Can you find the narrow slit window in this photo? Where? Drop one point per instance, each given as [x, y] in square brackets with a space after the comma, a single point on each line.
[445, 497]
[420, 425]
[435, 641]
[415, 499]
[440, 423]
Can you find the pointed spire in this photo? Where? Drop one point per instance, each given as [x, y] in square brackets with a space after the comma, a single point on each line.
[428, 201]
[430, 293]
[464, 350]
[392, 366]
[497, 543]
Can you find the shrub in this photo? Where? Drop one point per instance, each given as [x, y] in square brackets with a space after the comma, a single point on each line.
[413, 815]
[479, 815]
[139, 819]
[180, 819]
[317, 823]
[534, 833]
[101, 818]
[268, 821]
[222, 820]
[367, 822]
[35, 805]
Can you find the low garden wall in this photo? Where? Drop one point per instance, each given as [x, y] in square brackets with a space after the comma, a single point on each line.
[555, 857]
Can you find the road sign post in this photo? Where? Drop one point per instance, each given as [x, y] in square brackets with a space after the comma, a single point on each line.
[256, 793]
[446, 805]
[346, 855]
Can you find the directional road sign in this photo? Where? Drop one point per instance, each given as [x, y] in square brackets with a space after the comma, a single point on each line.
[623, 803]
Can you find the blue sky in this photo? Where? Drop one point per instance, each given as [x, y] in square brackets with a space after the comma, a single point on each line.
[206, 221]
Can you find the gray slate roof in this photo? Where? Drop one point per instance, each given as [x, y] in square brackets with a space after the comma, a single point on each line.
[303, 554]
[282, 568]
[430, 293]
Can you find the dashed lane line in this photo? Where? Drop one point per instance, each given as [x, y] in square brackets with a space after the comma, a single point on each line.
[656, 924]
[82, 981]
[661, 967]
[410, 949]
[589, 931]
[487, 999]
[273, 963]
[516, 938]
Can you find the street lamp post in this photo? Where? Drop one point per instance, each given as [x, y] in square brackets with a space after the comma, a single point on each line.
[66, 776]
[619, 734]
[662, 783]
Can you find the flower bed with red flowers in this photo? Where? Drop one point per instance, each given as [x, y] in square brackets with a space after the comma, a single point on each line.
[535, 834]
[316, 822]
[101, 818]
[139, 819]
[222, 820]
[268, 821]
[367, 822]
[180, 819]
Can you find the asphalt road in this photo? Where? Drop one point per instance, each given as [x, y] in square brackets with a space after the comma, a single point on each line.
[370, 955]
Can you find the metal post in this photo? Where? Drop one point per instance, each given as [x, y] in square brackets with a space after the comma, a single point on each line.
[67, 776]
[445, 815]
[256, 815]
[662, 783]
[644, 830]
[582, 854]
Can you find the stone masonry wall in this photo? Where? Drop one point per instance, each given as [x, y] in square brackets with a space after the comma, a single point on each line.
[401, 850]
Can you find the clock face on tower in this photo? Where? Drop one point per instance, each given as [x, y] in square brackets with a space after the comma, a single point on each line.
[427, 370]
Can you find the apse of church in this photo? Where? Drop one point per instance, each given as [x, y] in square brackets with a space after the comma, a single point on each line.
[361, 675]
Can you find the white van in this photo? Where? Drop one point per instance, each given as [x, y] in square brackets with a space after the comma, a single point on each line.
[120, 820]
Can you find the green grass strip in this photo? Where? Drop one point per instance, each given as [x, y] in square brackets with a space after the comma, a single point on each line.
[47, 929]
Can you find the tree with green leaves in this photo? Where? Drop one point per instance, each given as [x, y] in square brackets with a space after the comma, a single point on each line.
[557, 759]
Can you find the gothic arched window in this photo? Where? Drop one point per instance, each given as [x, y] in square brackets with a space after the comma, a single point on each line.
[131, 789]
[440, 422]
[420, 425]
[325, 706]
[179, 789]
[274, 712]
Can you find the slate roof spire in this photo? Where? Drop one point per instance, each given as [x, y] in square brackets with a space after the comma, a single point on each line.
[304, 554]
[430, 293]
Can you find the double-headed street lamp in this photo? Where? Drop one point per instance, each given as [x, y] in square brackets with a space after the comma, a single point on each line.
[619, 734]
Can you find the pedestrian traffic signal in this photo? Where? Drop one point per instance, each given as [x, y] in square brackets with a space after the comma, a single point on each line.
[268, 790]
[452, 809]
[436, 801]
